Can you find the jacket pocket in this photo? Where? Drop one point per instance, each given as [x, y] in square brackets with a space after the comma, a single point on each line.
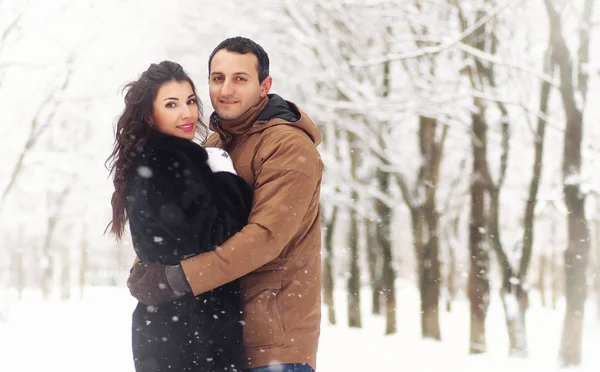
[263, 327]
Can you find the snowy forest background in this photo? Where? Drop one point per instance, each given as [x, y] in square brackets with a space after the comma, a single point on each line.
[460, 138]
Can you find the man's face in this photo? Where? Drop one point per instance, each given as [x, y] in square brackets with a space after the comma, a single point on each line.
[233, 83]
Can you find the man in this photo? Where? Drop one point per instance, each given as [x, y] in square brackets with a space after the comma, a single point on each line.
[277, 255]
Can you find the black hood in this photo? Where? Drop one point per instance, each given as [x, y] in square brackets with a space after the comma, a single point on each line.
[278, 108]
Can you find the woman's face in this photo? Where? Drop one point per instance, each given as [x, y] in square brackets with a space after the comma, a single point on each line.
[174, 110]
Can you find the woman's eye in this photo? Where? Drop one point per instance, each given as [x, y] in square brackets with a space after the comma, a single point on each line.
[191, 102]
[170, 105]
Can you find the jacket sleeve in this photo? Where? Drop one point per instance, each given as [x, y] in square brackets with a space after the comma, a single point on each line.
[286, 180]
[162, 195]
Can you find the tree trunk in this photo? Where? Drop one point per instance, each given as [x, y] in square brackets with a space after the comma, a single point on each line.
[115, 274]
[429, 263]
[354, 311]
[65, 274]
[424, 221]
[20, 264]
[578, 242]
[83, 265]
[354, 315]
[512, 293]
[576, 258]
[478, 285]
[555, 273]
[451, 275]
[384, 239]
[417, 222]
[383, 230]
[514, 302]
[48, 260]
[430, 284]
[597, 271]
[49, 253]
[374, 265]
[534, 185]
[543, 267]
[529, 219]
[328, 277]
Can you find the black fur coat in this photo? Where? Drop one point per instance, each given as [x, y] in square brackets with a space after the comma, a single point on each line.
[176, 207]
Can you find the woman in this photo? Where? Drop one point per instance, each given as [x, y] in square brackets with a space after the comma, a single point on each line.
[178, 203]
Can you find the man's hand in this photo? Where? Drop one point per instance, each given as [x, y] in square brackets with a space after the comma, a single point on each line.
[156, 284]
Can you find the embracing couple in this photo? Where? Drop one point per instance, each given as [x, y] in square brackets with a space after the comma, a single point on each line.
[226, 233]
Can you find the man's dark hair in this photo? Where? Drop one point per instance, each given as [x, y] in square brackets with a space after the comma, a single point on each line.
[243, 45]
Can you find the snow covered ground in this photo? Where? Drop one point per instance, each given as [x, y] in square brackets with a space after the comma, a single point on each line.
[93, 335]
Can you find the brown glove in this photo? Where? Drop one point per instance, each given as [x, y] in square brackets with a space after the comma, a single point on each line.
[156, 284]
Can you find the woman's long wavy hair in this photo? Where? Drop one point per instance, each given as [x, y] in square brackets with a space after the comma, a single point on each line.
[134, 127]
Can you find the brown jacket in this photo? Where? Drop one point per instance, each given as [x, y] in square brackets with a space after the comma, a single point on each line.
[278, 254]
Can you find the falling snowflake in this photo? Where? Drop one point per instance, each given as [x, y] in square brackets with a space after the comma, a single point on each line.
[144, 172]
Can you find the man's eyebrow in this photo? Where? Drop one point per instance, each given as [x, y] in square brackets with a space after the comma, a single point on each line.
[235, 73]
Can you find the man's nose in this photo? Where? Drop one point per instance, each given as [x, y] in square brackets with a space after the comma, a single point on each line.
[226, 88]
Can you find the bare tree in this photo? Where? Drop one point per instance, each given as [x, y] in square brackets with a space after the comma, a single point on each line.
[597, 267]
[482, 77]
[49, 253]
[65, 272]
[83, 261]
[573, 91]
[425, 220]
[383, 234]
[354, 311]
[39, 124]
[19, 264]
[375, 265]
[478, 283]
[451, 223]
[8, 34]
[330, 36]
[429, 263]
[328, 277]
[450, 281]
[556, 266]
[383, 229]
[479, 262]
[329, 219]
[595, 249]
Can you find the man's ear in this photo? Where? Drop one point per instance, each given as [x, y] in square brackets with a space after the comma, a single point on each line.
[265, 86]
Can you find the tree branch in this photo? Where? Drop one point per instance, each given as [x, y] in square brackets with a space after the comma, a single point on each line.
[35, 131]
[528, 219]
[442, 47]
[584, 49]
